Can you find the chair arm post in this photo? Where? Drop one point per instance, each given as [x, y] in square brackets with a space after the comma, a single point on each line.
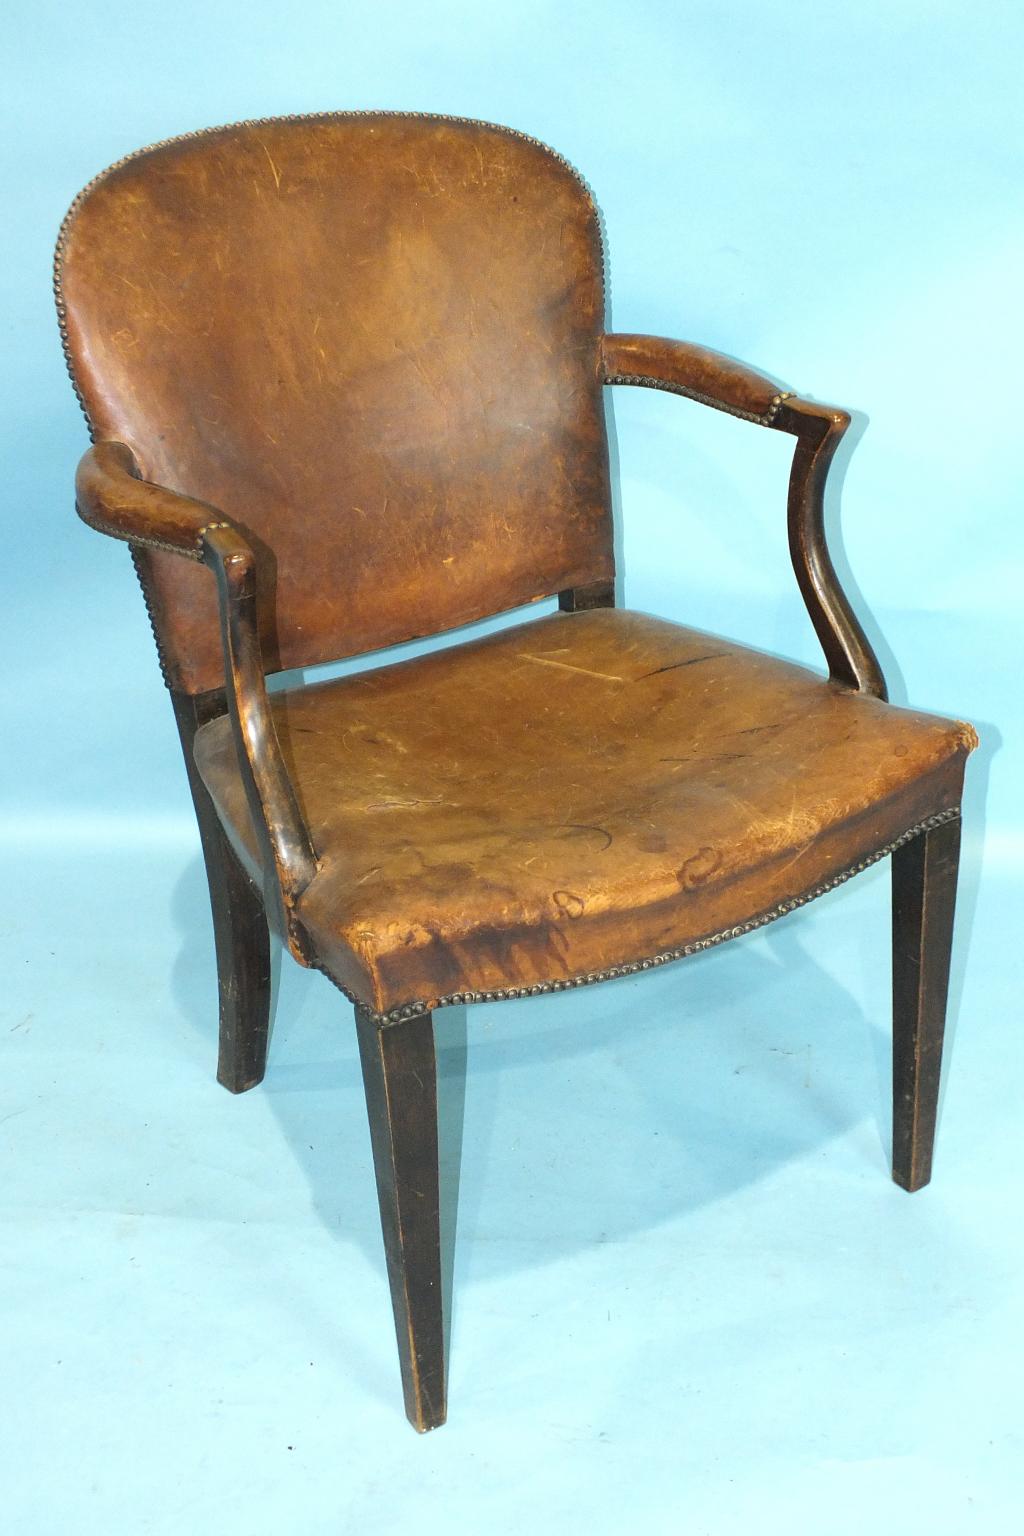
[819, 430]
[277, 818]
[712, 379]
[112, 497]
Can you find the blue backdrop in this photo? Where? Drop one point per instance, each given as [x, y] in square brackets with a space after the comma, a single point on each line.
[832, 193]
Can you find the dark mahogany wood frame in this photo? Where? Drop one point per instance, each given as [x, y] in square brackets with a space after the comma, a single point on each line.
[397, 1052]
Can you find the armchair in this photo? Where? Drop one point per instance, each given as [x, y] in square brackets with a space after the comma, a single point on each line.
[352, 364]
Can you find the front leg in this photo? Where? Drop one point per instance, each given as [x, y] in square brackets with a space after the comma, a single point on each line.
[924, 876]
[400, 1078]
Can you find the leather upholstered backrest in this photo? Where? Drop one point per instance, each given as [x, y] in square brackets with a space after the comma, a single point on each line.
[372, 340]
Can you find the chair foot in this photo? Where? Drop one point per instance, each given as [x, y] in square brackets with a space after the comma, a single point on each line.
[400, 1078]
[240, 930]
[924, 874]
[244, 978]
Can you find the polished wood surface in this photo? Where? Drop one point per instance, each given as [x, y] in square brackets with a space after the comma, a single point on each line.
[924, 877]
[400, 1078]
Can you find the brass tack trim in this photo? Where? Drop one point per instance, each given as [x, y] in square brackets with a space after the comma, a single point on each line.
[763, 418]
[204, 530]
[151, 541]
[147, 598]
[291, 117]
[564, 984]
[64, 235]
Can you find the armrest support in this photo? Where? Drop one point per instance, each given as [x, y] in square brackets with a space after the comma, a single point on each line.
[284, 838]
[712, 379]
[113, 498]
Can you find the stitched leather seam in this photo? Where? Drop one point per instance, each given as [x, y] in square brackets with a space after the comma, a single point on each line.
[500, 994]
[760, 418]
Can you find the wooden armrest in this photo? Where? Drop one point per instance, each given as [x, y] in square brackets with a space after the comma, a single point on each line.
[111, 496]
[713, 379]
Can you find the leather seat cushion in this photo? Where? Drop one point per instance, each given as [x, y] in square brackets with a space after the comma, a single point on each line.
[575, 794]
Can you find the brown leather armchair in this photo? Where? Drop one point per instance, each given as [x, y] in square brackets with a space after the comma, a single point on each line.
[353, 364]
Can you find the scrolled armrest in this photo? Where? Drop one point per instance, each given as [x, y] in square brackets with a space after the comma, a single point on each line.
[111, 496]
[701, 374]
[712, 378]
[719, 381]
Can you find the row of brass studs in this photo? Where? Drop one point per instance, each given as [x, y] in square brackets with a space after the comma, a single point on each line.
[759, 418]
[505, 994]
[259, 122]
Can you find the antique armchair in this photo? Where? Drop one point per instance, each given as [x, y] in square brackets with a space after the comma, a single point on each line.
[352, 365]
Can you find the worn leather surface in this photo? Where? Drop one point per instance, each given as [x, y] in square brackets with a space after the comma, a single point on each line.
[699, 371]
[111, 498]
[373, 343]
[579, 792]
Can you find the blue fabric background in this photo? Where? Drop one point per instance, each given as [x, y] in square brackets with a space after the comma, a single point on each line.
[687, 1298]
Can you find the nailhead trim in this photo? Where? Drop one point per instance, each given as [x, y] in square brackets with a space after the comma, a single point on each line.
[411, 1010]
[204, 530]
[765, 419]
[148, 540]
[260, 122]
[147, 598]
[760, 418]
[147, 595]
[64, 234]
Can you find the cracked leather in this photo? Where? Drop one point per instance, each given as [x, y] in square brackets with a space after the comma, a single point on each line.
[371, 346]
[574, 793]
[372, 343]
